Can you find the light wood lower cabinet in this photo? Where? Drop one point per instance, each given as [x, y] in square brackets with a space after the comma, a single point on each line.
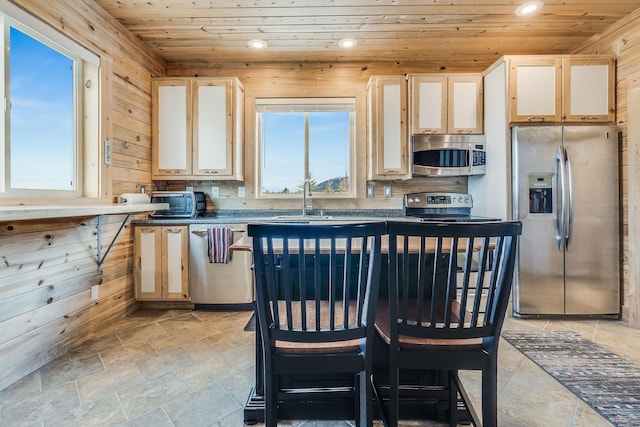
[161, 270]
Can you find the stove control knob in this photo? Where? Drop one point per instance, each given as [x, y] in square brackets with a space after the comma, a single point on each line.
[417, 199]
[466, 200]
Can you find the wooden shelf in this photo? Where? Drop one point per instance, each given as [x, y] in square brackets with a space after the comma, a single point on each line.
[27, 212]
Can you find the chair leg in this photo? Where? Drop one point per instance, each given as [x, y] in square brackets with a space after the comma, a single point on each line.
[394, 398]
[453, 399]
[270, 399]
[364, 396]
[490, 394]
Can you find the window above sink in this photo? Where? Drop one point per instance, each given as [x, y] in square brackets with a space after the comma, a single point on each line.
[302, 139]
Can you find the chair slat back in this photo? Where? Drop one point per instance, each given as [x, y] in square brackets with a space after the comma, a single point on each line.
[316, 283]
[450, 280]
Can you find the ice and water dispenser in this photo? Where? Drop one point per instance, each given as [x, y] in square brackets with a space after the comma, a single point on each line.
[541, 193]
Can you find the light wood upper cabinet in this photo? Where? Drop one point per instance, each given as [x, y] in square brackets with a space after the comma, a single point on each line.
[197, 128]
[561, 89]
[589, 90]
[446, 103]
[388, 155]
[161, 270]
[172, 129]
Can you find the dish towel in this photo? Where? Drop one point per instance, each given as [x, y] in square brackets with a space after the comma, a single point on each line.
[219, 240]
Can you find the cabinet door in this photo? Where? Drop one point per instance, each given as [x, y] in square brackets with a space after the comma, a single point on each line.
[147, 272]
[238, 132]
[175, 263]
[535, 87]
[171, 123]
[589, 89]
[429, 104]
[388, 140]
[213, 128]
[464, 104]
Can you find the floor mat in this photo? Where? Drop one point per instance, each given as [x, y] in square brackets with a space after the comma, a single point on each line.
[603, 380]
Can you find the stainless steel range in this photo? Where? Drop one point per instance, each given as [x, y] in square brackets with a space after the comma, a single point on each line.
[447, 207]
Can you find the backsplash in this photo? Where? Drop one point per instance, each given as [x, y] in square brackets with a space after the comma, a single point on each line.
[227, 197]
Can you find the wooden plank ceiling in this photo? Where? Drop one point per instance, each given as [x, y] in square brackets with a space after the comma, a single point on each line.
[190, 34]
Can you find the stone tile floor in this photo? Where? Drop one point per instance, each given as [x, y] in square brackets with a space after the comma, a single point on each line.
[195, 368]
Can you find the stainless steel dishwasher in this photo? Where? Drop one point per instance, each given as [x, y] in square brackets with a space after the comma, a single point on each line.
[219, 286]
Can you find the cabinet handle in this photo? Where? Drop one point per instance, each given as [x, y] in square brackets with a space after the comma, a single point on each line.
[174, 230]
[588, 118]
[210, 171]
[464, 131]
[536, 119]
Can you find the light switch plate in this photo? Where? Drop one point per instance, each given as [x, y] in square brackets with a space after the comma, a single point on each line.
[387, 191]
[240, 192]
[107, 152]
[369, 190]
[215, 191]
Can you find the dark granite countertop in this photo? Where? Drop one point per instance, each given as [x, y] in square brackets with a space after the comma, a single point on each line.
[246, 216]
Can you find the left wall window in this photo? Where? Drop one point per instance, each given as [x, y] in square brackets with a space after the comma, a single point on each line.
[48, 81]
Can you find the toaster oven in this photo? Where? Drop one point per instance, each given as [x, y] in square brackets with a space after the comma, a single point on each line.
[182, 204]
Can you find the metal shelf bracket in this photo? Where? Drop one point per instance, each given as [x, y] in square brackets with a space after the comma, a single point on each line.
[102, 257]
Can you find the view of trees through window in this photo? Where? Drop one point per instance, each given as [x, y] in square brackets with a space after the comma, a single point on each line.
[299, 145]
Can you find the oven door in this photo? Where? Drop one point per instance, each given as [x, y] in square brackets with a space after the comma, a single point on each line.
[181, 204]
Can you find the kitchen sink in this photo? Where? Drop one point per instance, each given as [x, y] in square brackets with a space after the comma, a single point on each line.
[304, 219]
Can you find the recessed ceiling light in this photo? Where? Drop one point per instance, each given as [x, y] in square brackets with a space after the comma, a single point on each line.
[347, 43]
[257, 44]
[529, 8]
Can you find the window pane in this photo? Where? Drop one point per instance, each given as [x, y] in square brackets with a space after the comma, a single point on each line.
[306, 138]
[329, 146]
[41, 122]
[282, 152]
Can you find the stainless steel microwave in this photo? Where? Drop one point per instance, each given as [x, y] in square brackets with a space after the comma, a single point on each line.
[182, 204]
[448, 155]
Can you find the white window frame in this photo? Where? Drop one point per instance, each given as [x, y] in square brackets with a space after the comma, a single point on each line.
[86, 97]
[323, 104]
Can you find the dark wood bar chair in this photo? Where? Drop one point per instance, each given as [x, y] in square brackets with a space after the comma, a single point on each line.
[449, 286]
[316, 294]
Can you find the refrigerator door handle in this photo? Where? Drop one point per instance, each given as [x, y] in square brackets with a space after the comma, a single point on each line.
[560, 198]
[569, 175]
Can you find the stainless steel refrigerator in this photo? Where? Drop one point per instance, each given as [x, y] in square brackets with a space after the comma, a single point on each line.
[565, 192]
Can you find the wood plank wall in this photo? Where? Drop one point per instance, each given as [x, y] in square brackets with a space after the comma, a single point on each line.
[623, 40]
[48, 267]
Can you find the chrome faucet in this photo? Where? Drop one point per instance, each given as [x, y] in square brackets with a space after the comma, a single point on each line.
[307, 183]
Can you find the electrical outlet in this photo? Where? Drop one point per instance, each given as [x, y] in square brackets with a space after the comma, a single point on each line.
[95, 292]
[387, 191]
[369, 190]
[215, 191]
[240, 192]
